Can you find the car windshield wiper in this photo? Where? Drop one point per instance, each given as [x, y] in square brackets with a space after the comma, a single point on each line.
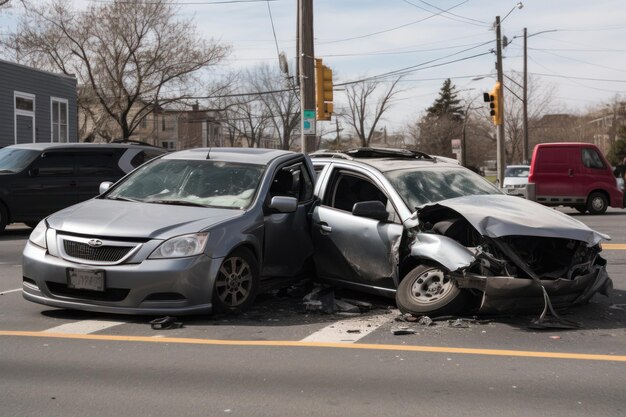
[4, 171]
[124, 199]
[177, 202]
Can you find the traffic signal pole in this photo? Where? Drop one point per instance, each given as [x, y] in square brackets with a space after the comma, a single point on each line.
[306, 66]
[500, 144]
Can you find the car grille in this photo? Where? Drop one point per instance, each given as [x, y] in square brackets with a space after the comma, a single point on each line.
[103, 253]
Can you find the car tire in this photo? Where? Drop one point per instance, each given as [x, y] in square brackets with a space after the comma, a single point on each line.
[429, 290]
[581, 209]
[4, 218]
[597, 203]
[237, 282]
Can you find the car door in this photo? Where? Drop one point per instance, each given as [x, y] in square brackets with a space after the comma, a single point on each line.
[50, 185]
[287, 242]
[352, 249]
[94, 167]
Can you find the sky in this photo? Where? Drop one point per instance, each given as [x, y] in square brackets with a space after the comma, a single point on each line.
[576, 47]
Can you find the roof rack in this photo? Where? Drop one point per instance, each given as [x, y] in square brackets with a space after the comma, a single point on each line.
[374, 153]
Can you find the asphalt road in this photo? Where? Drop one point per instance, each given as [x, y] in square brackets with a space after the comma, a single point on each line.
[278, 361]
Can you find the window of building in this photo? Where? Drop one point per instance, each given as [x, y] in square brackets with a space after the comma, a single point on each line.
[170, 145]
[24, 102]
[24, 117]
[59, 119]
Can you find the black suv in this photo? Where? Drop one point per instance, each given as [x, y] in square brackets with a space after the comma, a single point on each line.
[38, 179]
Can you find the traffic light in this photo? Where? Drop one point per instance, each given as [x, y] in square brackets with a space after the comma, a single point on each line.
[323, 90]
[494, 98]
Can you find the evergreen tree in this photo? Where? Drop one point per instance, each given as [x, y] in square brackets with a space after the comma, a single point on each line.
[447, 104]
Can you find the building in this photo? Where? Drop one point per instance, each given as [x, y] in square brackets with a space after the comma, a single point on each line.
[36, 106]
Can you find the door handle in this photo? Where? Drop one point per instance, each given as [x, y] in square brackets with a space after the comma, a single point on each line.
[325, 227]
[570, 172]
[73, 184]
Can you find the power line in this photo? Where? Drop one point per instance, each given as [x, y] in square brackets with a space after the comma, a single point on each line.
[465, 19]
[392, 29]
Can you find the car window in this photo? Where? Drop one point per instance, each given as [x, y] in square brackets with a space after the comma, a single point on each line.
[591, 159]
[293, 181]
[192, 182]
[97, 164]
[15, 159]
[517, 172]
[350, 189]
[54, 164]
[144, 156]
[418, 187]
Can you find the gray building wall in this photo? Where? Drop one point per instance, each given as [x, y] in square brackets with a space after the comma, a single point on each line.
[43, 85]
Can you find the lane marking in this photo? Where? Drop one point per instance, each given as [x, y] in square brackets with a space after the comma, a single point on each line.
[614, 246]
[10, 291]
[348, 331]
[293, 343]
[83, 327]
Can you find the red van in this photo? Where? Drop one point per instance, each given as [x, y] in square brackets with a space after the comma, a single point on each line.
[575, 175]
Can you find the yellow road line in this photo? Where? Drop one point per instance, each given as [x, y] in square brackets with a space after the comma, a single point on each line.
[614, 246]
[290, 343]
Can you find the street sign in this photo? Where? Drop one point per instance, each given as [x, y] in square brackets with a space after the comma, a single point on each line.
[308, 122]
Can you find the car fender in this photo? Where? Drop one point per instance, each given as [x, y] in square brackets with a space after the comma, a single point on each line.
[443, 250]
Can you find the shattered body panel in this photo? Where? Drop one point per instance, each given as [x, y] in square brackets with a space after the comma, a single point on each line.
[519, 251]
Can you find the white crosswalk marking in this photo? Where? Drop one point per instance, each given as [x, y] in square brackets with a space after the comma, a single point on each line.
[349, 330]
[84, 327]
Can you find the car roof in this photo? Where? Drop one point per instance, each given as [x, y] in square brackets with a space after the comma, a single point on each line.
[518, 166]
[257, 156]
[46, 146]
[386, 159]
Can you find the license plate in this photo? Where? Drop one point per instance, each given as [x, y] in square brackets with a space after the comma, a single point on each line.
[85, 279]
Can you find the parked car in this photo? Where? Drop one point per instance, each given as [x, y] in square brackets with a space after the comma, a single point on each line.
[205, 230]
[516, 179]
[38, 179]
[575, 175]
[192, 232]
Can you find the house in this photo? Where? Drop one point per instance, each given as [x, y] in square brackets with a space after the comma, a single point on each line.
[170, 128]
[36, 106]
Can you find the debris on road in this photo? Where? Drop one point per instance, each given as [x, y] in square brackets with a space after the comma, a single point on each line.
[401, 331]
[165, 323]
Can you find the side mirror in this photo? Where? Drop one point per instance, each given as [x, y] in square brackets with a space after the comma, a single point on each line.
[104, 186]
[284, 204]
[372, 209]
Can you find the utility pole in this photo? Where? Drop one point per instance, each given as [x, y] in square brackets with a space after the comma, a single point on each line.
[500, 144]
[306, 65]
[525, 150]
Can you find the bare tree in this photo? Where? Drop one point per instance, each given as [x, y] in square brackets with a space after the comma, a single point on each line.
[540, 102]
[130, 56]
[281, 101]
[365, 109]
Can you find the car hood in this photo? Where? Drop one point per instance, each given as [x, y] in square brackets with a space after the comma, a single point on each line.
[110, 218]
[515, 181]
[500, 215]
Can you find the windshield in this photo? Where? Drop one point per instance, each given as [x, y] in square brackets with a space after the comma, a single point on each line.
[16, 159]
[190, 182]
[418, 187]
[521, 172]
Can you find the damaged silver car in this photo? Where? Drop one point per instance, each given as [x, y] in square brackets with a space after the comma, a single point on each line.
[440, 238]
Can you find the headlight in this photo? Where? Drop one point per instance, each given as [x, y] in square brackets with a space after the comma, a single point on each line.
[620, 183]
[181, 246]
[38, 235]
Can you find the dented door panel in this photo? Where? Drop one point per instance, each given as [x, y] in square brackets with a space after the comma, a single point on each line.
[355, 249]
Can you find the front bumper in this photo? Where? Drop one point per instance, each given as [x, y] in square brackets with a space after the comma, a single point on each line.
[154, 286]
[507, 294]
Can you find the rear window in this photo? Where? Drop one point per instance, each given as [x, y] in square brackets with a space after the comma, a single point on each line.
[16, 159]
[145, 156]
